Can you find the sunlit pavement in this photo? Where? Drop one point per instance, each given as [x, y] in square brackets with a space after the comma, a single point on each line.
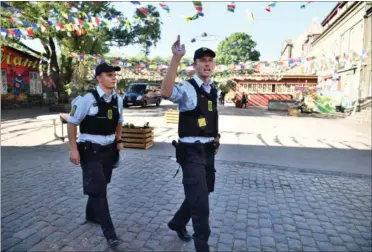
[283, 184]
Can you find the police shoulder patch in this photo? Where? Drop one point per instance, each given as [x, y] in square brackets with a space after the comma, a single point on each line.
[73, 110]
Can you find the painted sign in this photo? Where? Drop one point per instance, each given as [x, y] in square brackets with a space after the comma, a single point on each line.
[20, 74]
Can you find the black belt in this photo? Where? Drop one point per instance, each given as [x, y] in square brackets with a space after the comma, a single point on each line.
[199, 145]
[97, 147]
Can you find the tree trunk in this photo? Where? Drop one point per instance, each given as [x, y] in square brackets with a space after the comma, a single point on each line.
[54, 66]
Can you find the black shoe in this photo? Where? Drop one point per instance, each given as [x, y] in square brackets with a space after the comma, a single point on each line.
[113, 242]
[181, 232]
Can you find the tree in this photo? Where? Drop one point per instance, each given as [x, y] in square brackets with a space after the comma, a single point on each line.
[145, 31]
[238, 47]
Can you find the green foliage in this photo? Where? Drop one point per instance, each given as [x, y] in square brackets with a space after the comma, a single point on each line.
[144, 31]
[238, 47]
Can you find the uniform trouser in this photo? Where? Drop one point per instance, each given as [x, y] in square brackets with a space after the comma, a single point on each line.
[96, 163]
[198, 181]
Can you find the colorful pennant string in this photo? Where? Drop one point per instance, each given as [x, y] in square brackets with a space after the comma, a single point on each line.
[231, 7]
[165, 7]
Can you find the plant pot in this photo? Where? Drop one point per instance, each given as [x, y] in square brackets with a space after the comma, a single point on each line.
[293, 111]
[140, 138]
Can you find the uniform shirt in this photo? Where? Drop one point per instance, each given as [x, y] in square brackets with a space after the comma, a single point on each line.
[185, 96]
[84, 106]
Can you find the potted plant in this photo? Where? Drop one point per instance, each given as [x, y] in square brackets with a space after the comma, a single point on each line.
[141, 137]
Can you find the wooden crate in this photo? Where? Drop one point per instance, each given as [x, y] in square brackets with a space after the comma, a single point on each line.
[293, 112]
[137, 138]
[172, 116]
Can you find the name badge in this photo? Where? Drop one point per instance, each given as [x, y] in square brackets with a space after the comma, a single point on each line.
[109, 114]
[202, 122]
[210, 106]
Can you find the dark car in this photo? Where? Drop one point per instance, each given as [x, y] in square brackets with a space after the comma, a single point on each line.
[142, 94]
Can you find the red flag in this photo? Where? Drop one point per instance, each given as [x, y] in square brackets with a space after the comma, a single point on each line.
[30, 31]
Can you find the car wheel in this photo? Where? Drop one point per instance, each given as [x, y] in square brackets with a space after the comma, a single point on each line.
[157, 103]
[125, 105]
[144, 104]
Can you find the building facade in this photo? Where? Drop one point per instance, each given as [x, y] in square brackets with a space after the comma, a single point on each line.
[261, 88]
[20, 77]
[346, 35]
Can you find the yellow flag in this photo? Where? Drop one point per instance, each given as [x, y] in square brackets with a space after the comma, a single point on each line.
[64, 14]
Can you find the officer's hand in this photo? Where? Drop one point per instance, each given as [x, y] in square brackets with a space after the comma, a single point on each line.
[119, 146]
[181, 48]
[217, 139]
[74, 157]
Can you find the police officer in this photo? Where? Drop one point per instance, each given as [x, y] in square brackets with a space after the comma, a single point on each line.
[99, 114]
[198, 141]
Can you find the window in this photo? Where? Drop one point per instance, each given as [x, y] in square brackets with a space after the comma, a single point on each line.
[4, 80]
[35, 83]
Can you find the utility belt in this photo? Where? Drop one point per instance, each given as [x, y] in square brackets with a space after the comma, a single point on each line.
[96, 148]
[181, 148]
[89, 150]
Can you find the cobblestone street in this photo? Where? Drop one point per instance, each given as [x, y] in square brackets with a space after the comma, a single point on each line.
[255, 207]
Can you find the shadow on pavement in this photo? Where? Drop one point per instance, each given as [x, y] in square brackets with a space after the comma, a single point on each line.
[349, 162]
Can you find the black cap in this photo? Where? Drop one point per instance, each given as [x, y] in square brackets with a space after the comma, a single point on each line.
[202, 52]
[106, 68]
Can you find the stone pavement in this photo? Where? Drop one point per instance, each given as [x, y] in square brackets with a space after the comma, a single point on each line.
[254, 208]
[257, 206]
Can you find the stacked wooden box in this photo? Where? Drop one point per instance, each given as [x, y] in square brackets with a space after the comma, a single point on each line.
[172, 116]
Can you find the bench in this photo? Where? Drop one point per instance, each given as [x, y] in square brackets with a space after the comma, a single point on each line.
[62, 118]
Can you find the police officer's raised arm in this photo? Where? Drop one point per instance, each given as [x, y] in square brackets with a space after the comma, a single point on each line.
[167, 88]
[80, 108]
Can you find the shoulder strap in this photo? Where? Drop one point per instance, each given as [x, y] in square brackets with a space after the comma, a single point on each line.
[194, 84]
[95, 94]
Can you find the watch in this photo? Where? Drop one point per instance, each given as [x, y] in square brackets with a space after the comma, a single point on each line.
[119, 141]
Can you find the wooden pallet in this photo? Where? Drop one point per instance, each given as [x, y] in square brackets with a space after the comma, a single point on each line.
[137, 138]
[172, 116]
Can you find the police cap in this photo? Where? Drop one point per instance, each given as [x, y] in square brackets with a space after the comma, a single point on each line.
[106, 68]
[202, 52]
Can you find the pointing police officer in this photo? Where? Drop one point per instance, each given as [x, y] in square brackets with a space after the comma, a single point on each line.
[99, 114]
[198, 141]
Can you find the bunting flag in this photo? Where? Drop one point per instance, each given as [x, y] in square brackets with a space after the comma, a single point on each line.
[273, 4]
[189, 18]
[199, 8]
[304, 5]
[165, 7]
[250, 15]
[80, 26]
[141, 8]
[268, 8]
[310, 65]
[231, 7]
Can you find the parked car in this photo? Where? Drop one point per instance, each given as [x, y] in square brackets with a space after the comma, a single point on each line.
[142, 94]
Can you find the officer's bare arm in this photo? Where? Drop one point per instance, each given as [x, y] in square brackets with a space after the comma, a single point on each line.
[72, 131]
[118, 131]
[170, 77]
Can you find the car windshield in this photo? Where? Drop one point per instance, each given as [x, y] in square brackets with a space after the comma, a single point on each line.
[137, 88]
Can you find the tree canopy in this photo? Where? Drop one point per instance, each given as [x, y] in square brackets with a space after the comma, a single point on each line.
[94, 35]
[238, 47]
